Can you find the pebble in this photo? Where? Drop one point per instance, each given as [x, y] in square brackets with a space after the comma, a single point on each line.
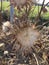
[5, 52]
[2, 44]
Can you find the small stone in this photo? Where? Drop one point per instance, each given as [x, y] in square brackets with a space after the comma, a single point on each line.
[2, 44]
[6, 27]
[5, 52]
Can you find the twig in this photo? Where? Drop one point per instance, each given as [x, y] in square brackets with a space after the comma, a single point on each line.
[37, 18]
[36, 58]
[41, 26]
